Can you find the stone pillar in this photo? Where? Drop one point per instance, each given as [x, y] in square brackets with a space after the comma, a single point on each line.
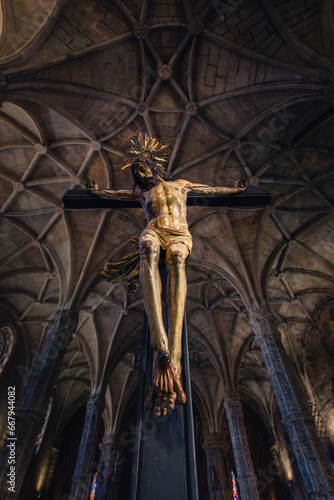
[110, 456]
[29, 419]
[82, 478]
[314, 466]
[245, 472]
[215, 449]
[52, 465]
[288, 471]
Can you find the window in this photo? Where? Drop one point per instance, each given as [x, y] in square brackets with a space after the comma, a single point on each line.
[41, 434]
[93, 488]
[234, 487]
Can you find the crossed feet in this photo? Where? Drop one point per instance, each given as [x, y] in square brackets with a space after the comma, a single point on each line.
[166, 386]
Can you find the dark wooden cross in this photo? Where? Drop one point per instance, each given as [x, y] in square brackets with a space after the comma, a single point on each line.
[163, 459]
[252, 197]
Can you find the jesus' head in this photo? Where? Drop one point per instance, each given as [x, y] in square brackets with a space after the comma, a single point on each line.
[146, 173]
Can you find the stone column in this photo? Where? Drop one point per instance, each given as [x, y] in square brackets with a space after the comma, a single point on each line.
[82, 478]
[314, 466]
[287, 469]
[245, 472]
[215, 449]
[110, 456]
[54, 452]
[29, 419]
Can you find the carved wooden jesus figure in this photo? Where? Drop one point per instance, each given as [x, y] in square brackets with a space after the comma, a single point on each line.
[164, 201]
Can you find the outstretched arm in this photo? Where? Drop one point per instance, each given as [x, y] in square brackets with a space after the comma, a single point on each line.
[219, 190]
[115, 194]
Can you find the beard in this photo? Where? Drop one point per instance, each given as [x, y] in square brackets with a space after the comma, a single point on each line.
[145, 182]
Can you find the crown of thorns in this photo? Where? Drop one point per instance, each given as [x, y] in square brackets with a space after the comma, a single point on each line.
[143, 147]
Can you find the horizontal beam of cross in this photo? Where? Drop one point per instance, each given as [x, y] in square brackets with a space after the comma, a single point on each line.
[252, 197]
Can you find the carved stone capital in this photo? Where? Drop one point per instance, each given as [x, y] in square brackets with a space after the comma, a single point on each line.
[65, 320]
[108, 465]
[58, 337]
[107, 440]
[295, 417]
[263, 322]
[232, 403]
[215, 440]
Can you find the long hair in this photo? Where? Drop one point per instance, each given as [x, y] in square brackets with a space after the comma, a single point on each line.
[155, 170]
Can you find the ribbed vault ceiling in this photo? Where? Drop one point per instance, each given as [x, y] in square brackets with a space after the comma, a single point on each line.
[240, 91]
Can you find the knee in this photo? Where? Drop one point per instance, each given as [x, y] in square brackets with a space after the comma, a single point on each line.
[149, 251]
[175, 258]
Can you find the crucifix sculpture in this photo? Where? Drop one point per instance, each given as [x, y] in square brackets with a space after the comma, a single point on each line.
[165, 202]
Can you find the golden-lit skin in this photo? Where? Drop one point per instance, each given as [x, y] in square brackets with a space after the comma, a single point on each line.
[165, 203]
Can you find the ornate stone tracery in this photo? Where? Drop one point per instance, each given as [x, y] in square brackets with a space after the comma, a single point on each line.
[312, 461]
[30, 416]
[216, 455]
[246, 476]
[81, 481]
[7, 343]
[245, 92]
